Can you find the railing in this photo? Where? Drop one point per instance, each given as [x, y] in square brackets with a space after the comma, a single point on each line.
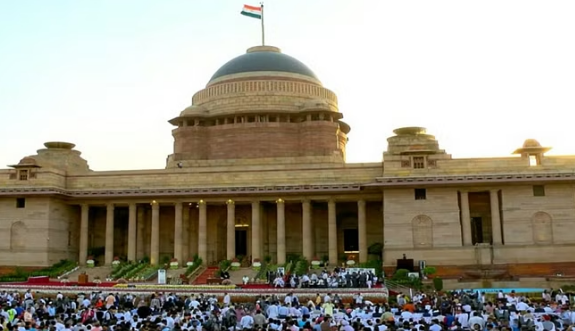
[395, 286]
[192, 277]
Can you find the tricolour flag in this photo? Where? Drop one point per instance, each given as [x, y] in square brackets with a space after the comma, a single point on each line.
[251, 11]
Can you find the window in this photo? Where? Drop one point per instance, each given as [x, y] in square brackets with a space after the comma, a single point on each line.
[420, 194]
[538, 190]
[23, 174]
[418, 162]
[534, 160]
[20, 203]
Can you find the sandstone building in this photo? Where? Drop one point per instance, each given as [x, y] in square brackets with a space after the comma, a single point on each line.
[258, 169]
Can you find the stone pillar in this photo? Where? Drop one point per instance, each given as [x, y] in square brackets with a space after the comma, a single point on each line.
[155, 242]
[281, 231]
[84, 228]
[307, 230]
[465, 219]
[132, 234]
[178, 232]
[193, 234]
[256, 231]
[383, 226]
[362, 231]
[186, 233]
[141, 233]
[231, 231]
[495, 218]
[203, 231]
[109, 254]
[332, 232]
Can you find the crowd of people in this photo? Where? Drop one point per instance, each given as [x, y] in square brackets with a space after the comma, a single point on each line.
[456, 311]
[338, 278]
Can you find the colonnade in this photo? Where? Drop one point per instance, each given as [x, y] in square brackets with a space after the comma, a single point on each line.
[136, 230]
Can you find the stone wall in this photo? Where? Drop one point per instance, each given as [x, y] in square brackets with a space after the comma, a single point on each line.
[64, 231]
[430, 223]
[41, 233]
[529, 219]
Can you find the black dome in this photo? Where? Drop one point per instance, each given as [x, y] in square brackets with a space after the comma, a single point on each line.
[263, 58]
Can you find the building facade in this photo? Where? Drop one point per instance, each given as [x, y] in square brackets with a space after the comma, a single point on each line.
[258, 169]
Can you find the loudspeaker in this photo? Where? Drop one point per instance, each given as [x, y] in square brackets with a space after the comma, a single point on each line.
[405, 264]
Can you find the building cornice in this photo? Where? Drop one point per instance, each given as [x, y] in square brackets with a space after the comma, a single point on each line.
[180, 192]
[473, 179]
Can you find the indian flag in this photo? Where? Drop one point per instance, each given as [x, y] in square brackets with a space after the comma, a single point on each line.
[251, 11]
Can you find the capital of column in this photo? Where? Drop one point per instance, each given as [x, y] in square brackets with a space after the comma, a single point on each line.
[110, 205]
[494, 190]
[230, 202]
[280, 201]
[155, 205]
[201, 202]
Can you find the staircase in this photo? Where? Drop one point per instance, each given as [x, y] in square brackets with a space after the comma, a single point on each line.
[101, 272]
[202, 278]
[236, 276]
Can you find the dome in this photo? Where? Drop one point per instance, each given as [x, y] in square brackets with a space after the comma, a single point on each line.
[531, 143]
[263, 58]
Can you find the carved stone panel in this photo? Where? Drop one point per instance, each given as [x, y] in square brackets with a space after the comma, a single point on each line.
[18, 235]
[422, 228]
[542, 228]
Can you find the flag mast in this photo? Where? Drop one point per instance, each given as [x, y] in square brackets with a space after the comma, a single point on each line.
[263, 30]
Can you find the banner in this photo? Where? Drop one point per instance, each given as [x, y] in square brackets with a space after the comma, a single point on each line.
[162, 276]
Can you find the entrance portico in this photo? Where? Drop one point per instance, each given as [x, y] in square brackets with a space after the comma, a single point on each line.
[214, 230]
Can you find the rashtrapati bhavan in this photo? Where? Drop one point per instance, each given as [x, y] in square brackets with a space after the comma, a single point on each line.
[258, 169]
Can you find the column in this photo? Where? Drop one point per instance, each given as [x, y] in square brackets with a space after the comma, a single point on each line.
[495, 218]
[109, 254]
[231, 231]
[141, 224]
[281, 231]
[132, 234]
[383, 226]
[186, 233]
[155, 242]
[256, 234]
[178, 232]
[307, 230]
[465, 219]
[332, 232]
[193, 233]
[362, 231]
[203, 231]
[84, 222]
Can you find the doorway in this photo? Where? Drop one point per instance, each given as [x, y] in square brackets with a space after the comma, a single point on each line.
[241, 242]
[350, 240]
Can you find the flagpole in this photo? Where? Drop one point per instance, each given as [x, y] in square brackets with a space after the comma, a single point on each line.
[263, 30]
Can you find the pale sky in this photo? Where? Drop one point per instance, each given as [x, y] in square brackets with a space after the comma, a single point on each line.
[107, 75]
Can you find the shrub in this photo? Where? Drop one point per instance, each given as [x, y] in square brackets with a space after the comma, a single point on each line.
[438, 284]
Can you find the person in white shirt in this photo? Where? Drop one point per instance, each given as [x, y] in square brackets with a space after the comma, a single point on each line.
[227, 299]
[476, 319]
[247, 322]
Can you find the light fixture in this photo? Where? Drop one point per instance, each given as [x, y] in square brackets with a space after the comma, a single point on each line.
[230, 202]
[280, 200]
